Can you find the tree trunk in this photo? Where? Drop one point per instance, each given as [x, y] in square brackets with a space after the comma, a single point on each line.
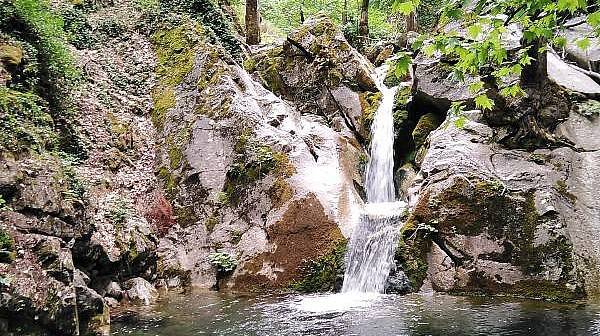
[345, 13]
[252, 22]
[411, 22]
[536, 73]
[363, 24]
[301, 16]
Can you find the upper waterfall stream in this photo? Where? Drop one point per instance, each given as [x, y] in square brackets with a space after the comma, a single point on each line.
[371, 250]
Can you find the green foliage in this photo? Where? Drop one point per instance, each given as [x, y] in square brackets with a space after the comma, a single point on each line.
[483, 48]
[121, 209]
[3, 204]
[403, 63]
[322, 274]
[7, 242]
[224, 262]
[25, 124]
[284, 15]
[253, 162]
[78, 30]
[589, 109]
[76, 187]
[50, 41]
[208, 12]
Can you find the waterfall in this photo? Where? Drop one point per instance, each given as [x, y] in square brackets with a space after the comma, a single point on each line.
[371, 250]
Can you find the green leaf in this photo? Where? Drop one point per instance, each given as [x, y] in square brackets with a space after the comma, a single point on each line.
[583, 43]
[474, 31]
[461, 121]
[560, 41]
[483, 102]
[402, 65]
[404, 7]
[594, 19]
[512, 91]
[475, 87]
[568, 5]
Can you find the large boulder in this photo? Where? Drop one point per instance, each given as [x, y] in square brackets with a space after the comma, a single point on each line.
[248, 175]
[497, 221]
[322, 74]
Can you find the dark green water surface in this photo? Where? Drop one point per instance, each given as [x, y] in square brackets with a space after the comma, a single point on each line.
[211, 313]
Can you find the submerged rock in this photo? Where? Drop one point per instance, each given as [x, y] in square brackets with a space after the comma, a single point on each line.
[140, 291]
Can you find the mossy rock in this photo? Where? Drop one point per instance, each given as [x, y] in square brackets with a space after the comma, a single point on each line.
[11, 55]
[369, 103]
[589, 109]
[391, 79]
[25, 122]
[411, 253]
[426, 124]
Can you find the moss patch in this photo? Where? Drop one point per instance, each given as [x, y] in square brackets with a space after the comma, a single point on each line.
[25, 123]
[369, 103]
[164, 100]
[563, 189]
[411, 253]
[323, 274]
[175, 51]
[426, 124]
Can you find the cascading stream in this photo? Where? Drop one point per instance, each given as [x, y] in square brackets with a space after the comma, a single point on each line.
[371, 250]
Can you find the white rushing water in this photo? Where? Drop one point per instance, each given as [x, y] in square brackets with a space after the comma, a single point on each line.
[371, 250]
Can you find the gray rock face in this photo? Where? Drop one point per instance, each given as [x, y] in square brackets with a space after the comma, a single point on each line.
[255, 178]
[435, 85]
[508, 221]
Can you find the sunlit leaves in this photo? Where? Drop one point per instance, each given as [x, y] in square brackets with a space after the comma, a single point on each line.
[583, 43]
[473, 31]
[484, 102]
[570, 5]
[512, 91]
[402, 65]
[475, 87]
[405, 7]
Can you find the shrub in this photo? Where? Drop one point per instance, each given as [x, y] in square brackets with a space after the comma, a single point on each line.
[25, 123]
[224, 262]
[37, 16]
[160, 214]
[120, 210]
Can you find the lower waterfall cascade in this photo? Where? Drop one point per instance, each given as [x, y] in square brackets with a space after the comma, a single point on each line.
[370, 255]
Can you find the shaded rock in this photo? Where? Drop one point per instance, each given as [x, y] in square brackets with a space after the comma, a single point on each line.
[426, 124]
[404, 178]
[10, 54]
[384, 55]
[140, 291]
[113, 290]
[92, 312]
[435, 84]
[398, 282]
